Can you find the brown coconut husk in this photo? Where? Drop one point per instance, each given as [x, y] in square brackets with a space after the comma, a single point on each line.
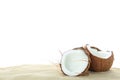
[99, 64]
[86, 71]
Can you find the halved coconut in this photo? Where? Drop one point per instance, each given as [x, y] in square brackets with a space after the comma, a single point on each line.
[100, 60]
[75, 62]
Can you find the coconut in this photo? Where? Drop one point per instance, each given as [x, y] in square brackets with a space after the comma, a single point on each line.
[75, 62]
[100, 60]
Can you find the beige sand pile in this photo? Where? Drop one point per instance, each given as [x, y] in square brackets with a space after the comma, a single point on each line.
[51, 72]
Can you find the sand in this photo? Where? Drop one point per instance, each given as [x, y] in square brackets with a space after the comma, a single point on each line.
[51, 72]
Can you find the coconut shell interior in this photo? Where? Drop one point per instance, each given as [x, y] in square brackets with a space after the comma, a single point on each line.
[85, 72]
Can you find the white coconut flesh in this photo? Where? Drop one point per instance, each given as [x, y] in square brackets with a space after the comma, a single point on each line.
[74, 62]
[100, 54]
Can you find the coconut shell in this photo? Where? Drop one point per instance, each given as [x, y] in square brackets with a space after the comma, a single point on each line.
[99, 64]
[85, 72]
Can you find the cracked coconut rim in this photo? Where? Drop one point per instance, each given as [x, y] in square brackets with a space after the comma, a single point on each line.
[100, 54]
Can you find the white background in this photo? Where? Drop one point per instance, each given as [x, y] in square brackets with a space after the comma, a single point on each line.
[33, 31]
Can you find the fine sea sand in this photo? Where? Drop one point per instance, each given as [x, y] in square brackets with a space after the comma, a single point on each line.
[52, 72]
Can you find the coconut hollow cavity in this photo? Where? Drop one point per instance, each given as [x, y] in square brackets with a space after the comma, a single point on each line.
[100, 60]
[75, 62]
